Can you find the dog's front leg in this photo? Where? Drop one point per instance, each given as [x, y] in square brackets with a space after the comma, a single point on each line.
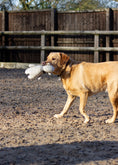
[83, 101]
[69, 101]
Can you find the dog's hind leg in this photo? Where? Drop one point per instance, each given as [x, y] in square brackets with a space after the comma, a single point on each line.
[83, 101]
[69, 101]
[113, 96]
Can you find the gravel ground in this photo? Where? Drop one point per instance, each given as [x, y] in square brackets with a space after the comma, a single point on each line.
[29, 135]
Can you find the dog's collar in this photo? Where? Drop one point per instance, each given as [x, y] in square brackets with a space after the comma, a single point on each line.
[64, 68]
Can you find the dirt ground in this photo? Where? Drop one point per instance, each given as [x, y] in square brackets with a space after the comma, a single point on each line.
[29, 135]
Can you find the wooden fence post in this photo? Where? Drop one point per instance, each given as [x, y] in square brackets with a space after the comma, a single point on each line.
[2, 54]
[42, 45]
[108, 27]
[96, 45]
[3, 27]
[53, 25]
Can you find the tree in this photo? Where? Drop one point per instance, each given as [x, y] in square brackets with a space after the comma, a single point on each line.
[34, 4]
[116, 0]
[66, 4]
[114, 4]
[6, 5]
[88, 5]
[59, 4]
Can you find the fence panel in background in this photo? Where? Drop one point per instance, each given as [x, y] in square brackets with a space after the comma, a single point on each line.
[83, 21]
[28, 21]
[51, 20]
[25, 21]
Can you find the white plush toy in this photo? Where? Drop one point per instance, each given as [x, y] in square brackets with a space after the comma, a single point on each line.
[37, 70]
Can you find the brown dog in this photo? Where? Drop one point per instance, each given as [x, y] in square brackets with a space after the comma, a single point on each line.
[85, 79]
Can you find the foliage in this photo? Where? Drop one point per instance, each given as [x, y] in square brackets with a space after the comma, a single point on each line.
[34, 4]
[59, 4]
[88, 5]
[66, 4]
[6, 5]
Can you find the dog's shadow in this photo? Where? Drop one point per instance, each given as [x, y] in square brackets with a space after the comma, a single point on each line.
[73, 153]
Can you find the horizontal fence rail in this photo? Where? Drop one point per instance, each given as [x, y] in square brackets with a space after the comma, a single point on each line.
[43, 32]
[96, 49]
[60, 48]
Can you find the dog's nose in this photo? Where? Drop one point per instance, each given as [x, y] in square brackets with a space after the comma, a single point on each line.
[43, 63]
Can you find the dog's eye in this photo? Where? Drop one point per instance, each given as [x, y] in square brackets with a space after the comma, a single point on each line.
[53, 59]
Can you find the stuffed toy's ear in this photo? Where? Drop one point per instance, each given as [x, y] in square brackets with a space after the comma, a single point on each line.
[64, 58]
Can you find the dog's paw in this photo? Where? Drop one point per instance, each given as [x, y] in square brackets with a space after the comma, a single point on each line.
[109, 121]
[58, 116]
[86, 120]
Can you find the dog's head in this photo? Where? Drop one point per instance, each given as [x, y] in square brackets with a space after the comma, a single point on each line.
[58, 60]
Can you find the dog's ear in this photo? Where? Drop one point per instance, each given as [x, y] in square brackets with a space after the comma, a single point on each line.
[64, 58]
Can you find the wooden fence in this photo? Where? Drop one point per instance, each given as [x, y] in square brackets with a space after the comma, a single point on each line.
[70, 23]
[96, 49]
